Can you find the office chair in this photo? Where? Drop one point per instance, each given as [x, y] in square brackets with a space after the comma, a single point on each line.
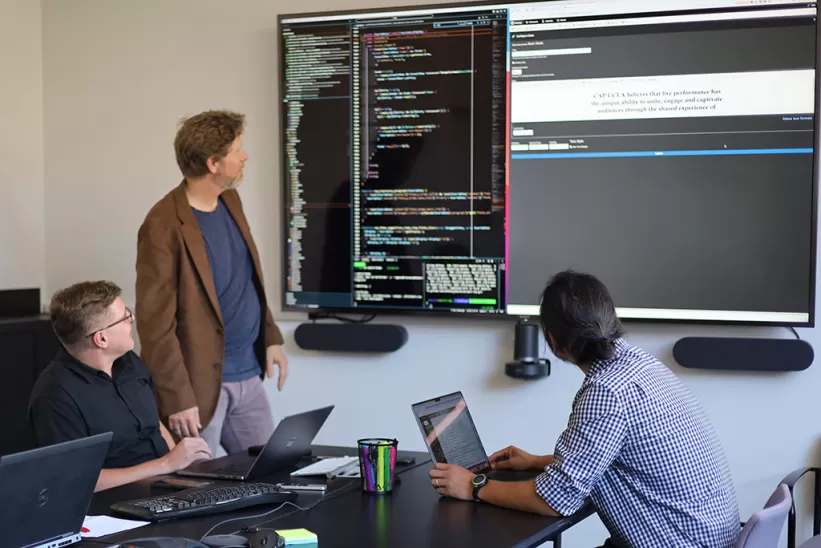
[790, 481]
[764, 527]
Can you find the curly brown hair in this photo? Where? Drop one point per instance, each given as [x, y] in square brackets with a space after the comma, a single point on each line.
[206, 135]
[79, 309]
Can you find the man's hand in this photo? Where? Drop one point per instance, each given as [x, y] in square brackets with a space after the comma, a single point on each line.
[452, 481]
[274, 355]
[186, 423]
[513, 458]
[184, 453]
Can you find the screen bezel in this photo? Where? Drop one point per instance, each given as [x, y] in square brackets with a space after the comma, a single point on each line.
[417, 408]
[504, 314]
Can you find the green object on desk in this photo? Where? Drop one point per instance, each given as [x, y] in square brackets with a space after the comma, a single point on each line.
[293, 537]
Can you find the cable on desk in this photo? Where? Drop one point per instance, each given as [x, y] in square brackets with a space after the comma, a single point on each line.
[220, 524]
[333, 495]
[277, 509]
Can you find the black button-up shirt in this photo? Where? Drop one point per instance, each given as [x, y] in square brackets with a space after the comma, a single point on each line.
[71, 400]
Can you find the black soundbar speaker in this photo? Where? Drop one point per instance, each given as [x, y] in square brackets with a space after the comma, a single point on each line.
[740, 354]
[351, 337]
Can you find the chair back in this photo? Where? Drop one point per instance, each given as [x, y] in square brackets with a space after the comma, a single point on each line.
[765, 526]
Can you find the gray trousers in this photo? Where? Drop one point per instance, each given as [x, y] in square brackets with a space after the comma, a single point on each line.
[243, 417]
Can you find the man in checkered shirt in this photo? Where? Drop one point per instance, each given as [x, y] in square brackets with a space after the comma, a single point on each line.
[637, 442]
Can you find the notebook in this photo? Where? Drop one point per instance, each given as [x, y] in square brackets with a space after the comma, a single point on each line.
[294, 537]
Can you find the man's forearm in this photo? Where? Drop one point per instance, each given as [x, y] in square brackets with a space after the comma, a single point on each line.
[114, 477]
[166, 435]
[542, 462]
[517, 495]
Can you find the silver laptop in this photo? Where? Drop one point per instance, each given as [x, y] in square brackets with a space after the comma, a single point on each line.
[45, 492]
[290, 441]
[450, 434]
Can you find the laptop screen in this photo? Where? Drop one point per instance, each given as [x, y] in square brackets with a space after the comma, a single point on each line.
[449, 432]
[45, 492]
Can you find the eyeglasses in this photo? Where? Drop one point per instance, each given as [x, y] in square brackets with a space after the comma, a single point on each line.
[129, 317]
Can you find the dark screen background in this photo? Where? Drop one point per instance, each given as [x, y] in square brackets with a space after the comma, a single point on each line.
[717, 233]
[695, 232]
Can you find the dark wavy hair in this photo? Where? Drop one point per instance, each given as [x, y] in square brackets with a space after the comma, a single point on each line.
[578, 311]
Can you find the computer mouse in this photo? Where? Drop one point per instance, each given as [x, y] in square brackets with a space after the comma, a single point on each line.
[162, 542]
[225, 541]
[263, 539]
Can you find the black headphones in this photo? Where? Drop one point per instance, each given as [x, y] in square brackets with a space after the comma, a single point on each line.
[250, 537]
[162, 542]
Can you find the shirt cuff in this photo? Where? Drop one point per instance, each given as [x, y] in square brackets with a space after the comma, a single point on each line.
[563, 498]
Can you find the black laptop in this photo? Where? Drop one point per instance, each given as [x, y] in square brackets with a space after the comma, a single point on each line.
[45, 492]
[290, 441]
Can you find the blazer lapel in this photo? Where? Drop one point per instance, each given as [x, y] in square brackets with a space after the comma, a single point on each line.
[232, 202]
[196, 246]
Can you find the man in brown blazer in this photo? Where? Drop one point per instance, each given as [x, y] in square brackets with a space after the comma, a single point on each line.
[206, 331]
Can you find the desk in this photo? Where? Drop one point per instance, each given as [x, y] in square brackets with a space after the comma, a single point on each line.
[413, 515]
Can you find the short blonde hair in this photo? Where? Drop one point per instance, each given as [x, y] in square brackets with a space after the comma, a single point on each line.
[81, 308]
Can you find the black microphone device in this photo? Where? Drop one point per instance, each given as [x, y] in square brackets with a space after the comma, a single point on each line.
[526, 364]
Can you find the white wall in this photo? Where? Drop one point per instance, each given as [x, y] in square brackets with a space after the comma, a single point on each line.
[118, 76]
[21, 146]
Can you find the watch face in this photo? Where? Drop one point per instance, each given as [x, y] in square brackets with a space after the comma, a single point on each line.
[479, 479]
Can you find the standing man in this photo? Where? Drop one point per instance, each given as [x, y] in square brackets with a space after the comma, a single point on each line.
[206, 331]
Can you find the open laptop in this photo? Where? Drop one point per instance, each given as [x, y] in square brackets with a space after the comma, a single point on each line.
[451, 437]
[45, 492]
[290, 441]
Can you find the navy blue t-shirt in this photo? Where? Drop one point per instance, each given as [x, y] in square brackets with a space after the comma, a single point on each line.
[233, 272]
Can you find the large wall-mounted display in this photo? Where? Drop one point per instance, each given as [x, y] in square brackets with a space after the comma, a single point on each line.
[450, 160]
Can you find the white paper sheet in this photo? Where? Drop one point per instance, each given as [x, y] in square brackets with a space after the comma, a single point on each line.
[100, 526]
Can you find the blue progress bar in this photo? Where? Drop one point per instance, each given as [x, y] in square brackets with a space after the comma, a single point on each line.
[645, 153]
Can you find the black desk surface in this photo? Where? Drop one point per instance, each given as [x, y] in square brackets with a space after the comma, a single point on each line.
[413, 515]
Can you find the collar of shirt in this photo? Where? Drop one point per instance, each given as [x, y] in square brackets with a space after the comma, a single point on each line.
[598, 366]
[88, 373]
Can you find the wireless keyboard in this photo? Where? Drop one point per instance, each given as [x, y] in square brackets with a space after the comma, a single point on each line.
[203, 501]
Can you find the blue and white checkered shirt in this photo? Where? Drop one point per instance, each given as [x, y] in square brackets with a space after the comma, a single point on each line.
[640, 446]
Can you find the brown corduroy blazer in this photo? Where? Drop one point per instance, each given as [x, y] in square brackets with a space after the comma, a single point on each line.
[177, 313]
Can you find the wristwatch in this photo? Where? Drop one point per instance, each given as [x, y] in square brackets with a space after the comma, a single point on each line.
[479, 481]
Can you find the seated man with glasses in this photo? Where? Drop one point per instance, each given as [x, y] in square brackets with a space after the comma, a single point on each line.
[97, 384]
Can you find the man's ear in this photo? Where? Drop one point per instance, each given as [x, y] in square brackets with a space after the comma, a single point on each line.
[99, 339]
[212, 164]
[559, 352]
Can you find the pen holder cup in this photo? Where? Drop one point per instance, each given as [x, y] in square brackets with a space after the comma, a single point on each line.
[377, 462]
